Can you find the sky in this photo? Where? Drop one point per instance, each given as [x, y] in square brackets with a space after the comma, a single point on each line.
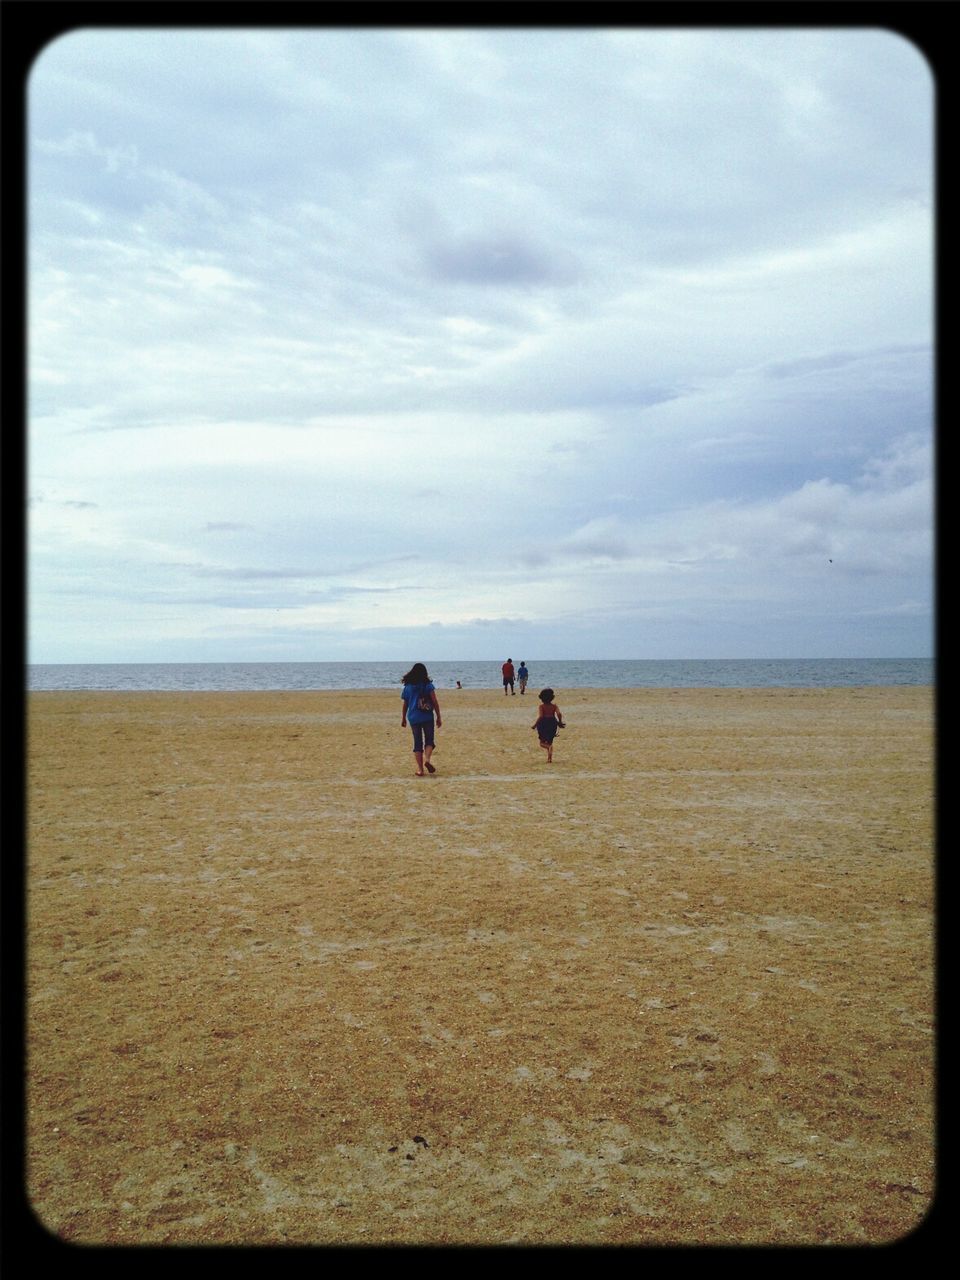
[435, 344]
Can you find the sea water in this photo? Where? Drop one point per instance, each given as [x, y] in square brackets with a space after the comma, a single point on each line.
[611, 673]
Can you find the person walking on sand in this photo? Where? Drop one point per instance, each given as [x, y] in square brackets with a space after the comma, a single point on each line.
[508, 677]
[419, 699]
[549, 720]
[523, 675]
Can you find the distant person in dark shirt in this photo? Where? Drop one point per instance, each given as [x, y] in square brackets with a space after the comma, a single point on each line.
[523, 675]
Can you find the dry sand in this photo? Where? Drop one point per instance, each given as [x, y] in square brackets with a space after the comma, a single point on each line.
[674, 988]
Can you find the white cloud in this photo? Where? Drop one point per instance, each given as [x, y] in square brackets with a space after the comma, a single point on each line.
[375, 329]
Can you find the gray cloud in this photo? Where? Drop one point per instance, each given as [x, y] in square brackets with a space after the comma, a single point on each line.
[497, 624]
[507, 259]
[255, 575]
[841, 359]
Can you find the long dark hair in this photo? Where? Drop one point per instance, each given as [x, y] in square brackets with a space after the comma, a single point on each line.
[417, 675]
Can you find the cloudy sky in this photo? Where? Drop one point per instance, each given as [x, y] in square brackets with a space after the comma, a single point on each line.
[409, 343]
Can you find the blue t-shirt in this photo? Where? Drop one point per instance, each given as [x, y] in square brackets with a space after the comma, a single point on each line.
[411, 692]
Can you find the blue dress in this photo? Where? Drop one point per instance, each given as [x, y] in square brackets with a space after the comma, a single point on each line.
[547, 728]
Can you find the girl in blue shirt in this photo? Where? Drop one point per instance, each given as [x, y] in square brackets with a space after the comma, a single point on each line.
[419, 704]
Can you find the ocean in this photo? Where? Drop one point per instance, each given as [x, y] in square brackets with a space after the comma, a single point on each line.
[642, 673]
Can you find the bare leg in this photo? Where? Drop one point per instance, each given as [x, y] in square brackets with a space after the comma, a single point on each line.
[427, 753]
[418, 756]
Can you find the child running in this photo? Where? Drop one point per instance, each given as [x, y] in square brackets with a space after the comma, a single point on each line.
[549, 720]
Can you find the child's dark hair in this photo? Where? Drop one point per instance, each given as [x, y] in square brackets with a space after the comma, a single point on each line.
[417, 675]
[545, 695]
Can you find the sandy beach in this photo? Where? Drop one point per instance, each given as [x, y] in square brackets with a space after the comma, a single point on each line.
[674, 988]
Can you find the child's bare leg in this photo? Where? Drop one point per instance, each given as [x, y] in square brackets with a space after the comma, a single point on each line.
[427, 753]
[418, 756]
